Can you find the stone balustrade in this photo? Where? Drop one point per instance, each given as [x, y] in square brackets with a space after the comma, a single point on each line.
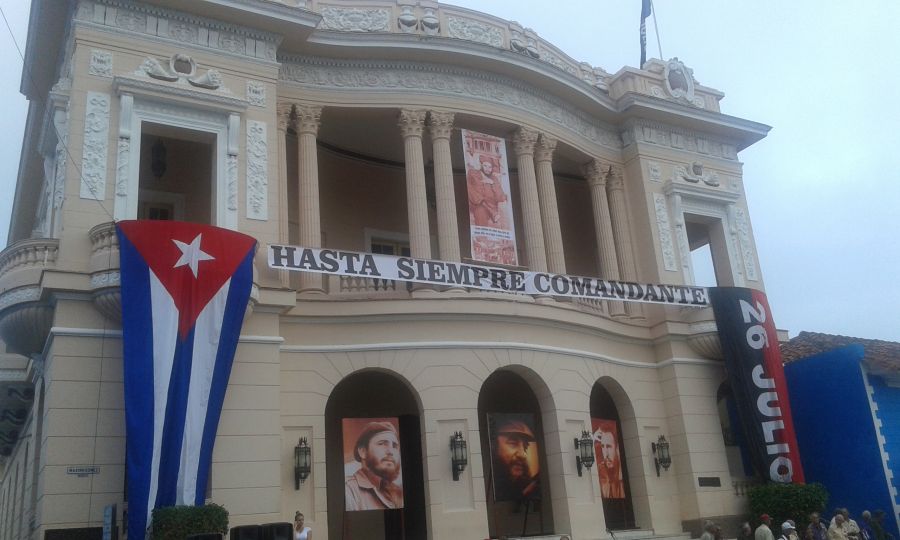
[104, 268]
[429, 18]
[25, 318]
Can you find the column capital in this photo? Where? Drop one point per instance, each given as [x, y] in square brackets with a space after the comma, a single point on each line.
[283, 115]
[543, 151]
[523, 140]
[308, 118]
[596, 172]
[440, 124]
[411, 122]
[616, 178]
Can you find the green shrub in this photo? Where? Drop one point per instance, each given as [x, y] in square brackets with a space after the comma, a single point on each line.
[177, 522]
[787, 501]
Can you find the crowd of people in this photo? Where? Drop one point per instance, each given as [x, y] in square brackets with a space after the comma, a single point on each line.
[841, 527]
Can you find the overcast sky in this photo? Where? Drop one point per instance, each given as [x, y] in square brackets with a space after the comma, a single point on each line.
[823, 187]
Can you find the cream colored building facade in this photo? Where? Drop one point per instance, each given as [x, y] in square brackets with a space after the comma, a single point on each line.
[336, 123]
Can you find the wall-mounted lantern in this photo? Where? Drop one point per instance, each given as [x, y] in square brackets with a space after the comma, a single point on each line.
[661, 456]
[459, 455]
[584, 451]
[302, 462]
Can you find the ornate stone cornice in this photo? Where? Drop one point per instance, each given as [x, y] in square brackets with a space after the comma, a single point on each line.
[440, 124]
[411, 122]
[648, 131]
[172, 25]
[307, 118]
[543, 151]
[523, 140]
[595, 171]
[419, 78]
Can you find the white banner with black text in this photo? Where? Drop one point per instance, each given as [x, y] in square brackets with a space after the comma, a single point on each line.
[368, 265]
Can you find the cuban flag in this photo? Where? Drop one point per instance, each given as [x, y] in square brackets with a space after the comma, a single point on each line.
[185, 288]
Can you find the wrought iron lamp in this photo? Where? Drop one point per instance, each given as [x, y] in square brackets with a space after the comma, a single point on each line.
[459, 456]
[302, 462]
[585, 451]
[661, 456]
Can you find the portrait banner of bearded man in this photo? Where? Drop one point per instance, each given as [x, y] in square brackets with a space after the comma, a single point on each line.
[515, 459]
[609, 462]
[372, 464]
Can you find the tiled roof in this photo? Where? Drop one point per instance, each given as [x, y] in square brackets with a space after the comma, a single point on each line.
[881, 356]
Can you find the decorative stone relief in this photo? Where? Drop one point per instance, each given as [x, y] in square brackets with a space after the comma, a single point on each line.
[59, 185]
[96, 142]
[554, 59]
[181, 68]
[101, 63]
[746, 244]
[232, 43]
[256, 93]
[696, 175]
[184, 32]
[257, 171]
[124, 149]
[105, 279]
[430, 22]
[654, 171]
[355, 19]
[131, 20]
[665, 232]
[231, 187]
[474, 31]
[437, 80]
[20, 295]
[407, 21]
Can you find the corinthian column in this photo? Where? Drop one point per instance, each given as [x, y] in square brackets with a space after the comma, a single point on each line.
[411, 122]
[622, 233]
[441, 124]
[308, 170]
[543, 159]
[596, 173]
[523, 140]
[283, 117]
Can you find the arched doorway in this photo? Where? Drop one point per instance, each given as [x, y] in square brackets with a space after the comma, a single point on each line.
[372, 422]
[516, 479]
[611, 465]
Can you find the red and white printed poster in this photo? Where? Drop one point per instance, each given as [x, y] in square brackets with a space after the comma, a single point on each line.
[609, 462]
[372, 464]
[493, 232]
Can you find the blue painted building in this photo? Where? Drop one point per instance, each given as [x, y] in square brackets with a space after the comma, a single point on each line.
[845, 399]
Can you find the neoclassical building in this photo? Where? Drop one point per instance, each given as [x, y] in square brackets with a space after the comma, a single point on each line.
[336, 123]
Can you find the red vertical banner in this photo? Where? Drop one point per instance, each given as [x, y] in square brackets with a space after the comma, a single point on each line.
[492, 230]
[756, 373]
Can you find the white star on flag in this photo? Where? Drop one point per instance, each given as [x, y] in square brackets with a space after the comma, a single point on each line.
[191, 254]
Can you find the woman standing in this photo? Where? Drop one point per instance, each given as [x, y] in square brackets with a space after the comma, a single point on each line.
[300, 531]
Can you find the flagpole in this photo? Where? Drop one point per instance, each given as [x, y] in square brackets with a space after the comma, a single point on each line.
[656, 27]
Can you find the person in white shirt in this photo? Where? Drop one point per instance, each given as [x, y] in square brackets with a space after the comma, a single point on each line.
[301, 532]
[763, 532]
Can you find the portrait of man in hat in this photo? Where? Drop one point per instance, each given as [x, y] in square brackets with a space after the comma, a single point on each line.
[373, 445]
[515, 462]
[486, 193]
[609, 463]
